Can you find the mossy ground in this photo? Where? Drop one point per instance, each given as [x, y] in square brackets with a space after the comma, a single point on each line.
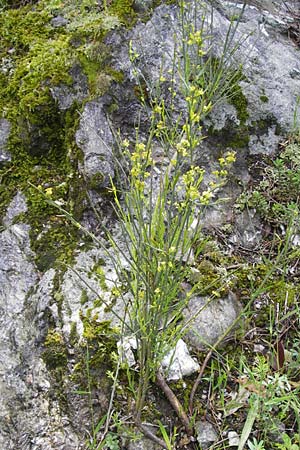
[41, 141]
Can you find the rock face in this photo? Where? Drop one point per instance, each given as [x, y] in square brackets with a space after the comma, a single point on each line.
[65, 95]
[28, 416]
[4, 135]
[32, 415]
[213, 318]
[270, 66]
[206, 434]
[94, 138]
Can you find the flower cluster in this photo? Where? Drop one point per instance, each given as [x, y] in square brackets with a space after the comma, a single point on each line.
[192, 180]
[225, 162]
[182, 147]
[140, 161]
[195, 38]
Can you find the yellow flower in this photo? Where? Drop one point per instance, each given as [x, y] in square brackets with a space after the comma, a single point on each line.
[192, 193]
[222, 162]
[195, 38]
[139, 185]
[157, 109]
[205, 197]
[136, 171]
[230, 157]
[223, 173]
[207, 108]
[140, 147]
[195, 118]
[125, 143]
[160, 125]
[161, 266]
[213, 184]
[49, 192]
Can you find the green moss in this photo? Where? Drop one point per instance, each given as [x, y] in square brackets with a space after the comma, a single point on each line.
[124, 10]
[101, 340]
[15, 25]
[84, 298]
[116, 75]
[55, 354]
[233, 136]
[74, 338]
[239, 101]
[99, 273]
[264, 99]
[42, 137]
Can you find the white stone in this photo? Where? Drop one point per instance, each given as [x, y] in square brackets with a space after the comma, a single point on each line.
[233, 439]
[179, 363]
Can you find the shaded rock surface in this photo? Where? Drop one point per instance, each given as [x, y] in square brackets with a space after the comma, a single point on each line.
[206, 434]
[29, 418]
[4, 135]
[95, 139]
[143, 444]
[213, 318]
[65, 95]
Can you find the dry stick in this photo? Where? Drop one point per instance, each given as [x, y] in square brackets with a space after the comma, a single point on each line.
[150, 435]
[161, 382]
[197, 382]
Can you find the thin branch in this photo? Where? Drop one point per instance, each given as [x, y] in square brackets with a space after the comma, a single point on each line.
[178, 408]
[148, 433]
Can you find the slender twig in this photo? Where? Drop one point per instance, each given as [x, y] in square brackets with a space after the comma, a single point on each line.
[161, 382]
[197, 382]
[148, 433]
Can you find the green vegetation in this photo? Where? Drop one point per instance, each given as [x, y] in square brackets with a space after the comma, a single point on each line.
[251, 384]
[276, 196]
[41, 141]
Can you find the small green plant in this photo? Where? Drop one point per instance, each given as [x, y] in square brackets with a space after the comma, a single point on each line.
[272, 399]
[276, 196]
[255, 445]
[288, 443]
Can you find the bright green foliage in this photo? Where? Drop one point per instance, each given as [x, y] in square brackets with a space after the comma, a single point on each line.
[288, 443]
[37, 56]
[276, 197]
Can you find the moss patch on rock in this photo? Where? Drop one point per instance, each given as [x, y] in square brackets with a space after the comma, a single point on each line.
[41, 142]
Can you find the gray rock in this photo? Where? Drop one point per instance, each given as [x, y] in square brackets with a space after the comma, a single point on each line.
[95, 139]
[16, 207]
[96, 285]
[248, 231]
[269, 61]
[208, 320]
[29, 417]
[143, 444]
[206, 434]
[66, 95]
[4, 135]
[179, 363]
[59, 21]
